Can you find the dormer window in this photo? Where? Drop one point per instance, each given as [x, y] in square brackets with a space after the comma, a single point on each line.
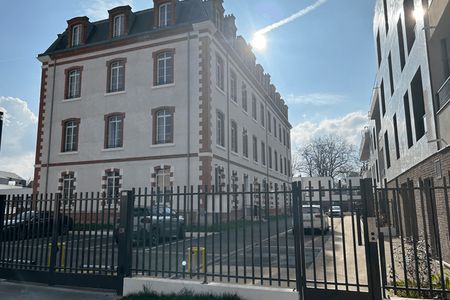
[76, 35]
[165, 14]
[118, 25]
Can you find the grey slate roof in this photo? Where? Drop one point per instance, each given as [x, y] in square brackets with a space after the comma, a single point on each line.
[10, 175]
[188, 12]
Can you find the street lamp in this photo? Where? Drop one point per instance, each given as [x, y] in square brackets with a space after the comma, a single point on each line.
[1, 127]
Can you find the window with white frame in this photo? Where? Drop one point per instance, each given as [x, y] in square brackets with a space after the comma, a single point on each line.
[234, 137]
[220, 73]
[70, 136]
[116, 76]
[164, 68]
[76, 35]
[112, 184]
[233, 86]
[263, 153]
[220, 129]
[262, 114]
[254, 107]
[244, 97]
[165, 14]
[74, 84]
[163, 178]
[114, 131]
[255, 149]
[68, 186]
[118, 25]
[164, 126]
[244, 142]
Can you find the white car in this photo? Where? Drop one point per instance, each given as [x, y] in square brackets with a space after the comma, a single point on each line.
[319, 219]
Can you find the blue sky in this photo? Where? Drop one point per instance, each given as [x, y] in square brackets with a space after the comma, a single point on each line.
[323, 63]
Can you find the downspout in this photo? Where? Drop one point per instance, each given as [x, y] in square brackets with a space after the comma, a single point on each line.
[50, 129]
[189, 110]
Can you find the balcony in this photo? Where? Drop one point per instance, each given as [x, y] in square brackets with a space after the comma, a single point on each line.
[443, 94]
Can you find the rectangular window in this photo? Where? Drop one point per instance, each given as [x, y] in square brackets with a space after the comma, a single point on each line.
[408, 120]
[269, 121]
[234, 138]
[165, 14]
[245, 143]
[377, 170]
[73, 83]
[114, 131]
[164, 126]
[220, 73]
[270, 157]
[284, 136]
[279, 133]
[255, 149]
[263, 153]
[378, 48]
[254, 112]
[68, 186]
[401, 43]
[391, 75]
[285, 166]
[233, 87]
[374, 139]
[397, 146]
[163, 178]
[244, 97]
[276, 160]
[410, 23]
[281, 164]
[275, 126]
[383, 98]
[70, 136]
[262, 114]
[165, 68]
[386, 147]
[116, 76]
[112, 184]
[118, 25]
[220, 129]
[418, 105]
[76, 35]
[386, 17]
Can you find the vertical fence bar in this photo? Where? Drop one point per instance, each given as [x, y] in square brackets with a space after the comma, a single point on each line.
[204, 256]
[124, 234]
[391, 248]
[355, 254]
[252, 219]
[184, 237]
[447, 205]
[406, 192]
[330, 200]
[278, 234]
[228, 233]
[191, 196]
[344, 251]
[312, 229]
[219, 190]
[300, 271]
[213, 226]
[97, 228]
[152, 233]
[261, 269]
[322, 229]
[171, 231]
[285, 194]
[146, 240]
[266, 194]
[243, 233]
[199, 188]
[236, 225]
[2, 222]
[425, 233]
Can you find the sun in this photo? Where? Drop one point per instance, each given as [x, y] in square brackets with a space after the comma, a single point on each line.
[259, 41]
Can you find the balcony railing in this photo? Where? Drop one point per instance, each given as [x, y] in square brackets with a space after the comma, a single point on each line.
[444, 93]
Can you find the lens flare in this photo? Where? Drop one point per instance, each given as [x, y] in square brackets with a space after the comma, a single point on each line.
[259, 41]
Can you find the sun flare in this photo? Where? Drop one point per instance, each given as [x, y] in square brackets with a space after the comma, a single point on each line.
[259, 41]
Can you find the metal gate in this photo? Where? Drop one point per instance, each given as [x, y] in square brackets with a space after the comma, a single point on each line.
[58, 241]
[336, 241]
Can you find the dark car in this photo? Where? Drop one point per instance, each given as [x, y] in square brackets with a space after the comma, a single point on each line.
[150, 225]
[34, 224]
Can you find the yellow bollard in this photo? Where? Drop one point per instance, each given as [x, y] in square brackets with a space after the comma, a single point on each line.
[192, 252]
[60, 247]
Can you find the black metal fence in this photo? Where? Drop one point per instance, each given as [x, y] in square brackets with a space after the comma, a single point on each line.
[327, 242]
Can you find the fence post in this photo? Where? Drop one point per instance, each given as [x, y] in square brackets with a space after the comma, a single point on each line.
[371, 240]
[125, 231]
[54, 240]
[2, 219]
[298, 253]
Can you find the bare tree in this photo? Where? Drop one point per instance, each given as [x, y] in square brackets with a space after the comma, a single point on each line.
[326, 156]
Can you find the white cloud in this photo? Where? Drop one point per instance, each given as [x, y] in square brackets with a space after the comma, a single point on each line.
[315, 99]
[348, 126]
[98, 9]
[19, 137]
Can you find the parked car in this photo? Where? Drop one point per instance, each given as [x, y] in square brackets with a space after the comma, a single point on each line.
[335, 211]
[150, 225]
[319, 219]
[35, 224]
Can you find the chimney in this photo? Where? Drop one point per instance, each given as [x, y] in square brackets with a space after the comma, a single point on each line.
[230, 27]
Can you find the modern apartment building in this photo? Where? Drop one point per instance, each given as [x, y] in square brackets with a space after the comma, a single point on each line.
[408, 132]
[163, 97]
